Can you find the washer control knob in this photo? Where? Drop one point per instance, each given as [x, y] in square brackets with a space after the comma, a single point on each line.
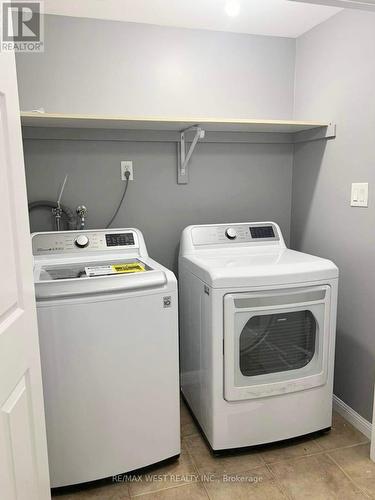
[82, 241]
[231, 233]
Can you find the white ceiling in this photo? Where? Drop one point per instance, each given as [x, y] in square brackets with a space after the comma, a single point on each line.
[346, 4]
[260, 17]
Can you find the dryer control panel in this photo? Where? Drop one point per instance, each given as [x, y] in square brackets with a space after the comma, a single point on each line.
[235, 233]
[64, 242]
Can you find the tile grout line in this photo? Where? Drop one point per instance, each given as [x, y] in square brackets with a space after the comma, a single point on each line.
[268, 465]
[361, 443]
[195, 467]
[215, 473]
[313, 453]
[181, 485]
[320, 452]
[206, 491]
[297, 457]
[316, 441]
[348, 476]
[277, 482]
[175, 485]
[189, 435]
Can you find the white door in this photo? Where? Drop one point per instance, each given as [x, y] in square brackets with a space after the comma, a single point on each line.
[275, 342]
[23, 450]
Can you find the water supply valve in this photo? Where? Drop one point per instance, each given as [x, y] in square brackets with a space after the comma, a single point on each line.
[81, 211]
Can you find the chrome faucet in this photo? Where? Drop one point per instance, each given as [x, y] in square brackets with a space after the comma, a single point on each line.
[81, 211]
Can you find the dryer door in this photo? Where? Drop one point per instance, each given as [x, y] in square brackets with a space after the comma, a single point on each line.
[275, 342]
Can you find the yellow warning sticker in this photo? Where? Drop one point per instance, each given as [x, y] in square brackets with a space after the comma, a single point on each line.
[130, 267]
[126, 267]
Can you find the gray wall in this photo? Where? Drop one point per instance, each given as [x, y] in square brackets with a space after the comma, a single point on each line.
[229, 183]
[108, 67]
[335, 74]
[99, 67]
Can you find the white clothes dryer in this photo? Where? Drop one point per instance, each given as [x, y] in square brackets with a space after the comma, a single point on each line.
[257, 334]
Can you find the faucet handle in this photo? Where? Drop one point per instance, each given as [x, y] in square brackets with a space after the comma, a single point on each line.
[81, 211]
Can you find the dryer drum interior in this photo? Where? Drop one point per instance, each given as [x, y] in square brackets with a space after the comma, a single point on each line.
[277, 342]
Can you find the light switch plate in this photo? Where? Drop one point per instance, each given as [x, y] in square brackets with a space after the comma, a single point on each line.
[359, 196]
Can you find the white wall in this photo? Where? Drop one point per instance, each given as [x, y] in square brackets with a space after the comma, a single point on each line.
[335, 75]
[93, 66]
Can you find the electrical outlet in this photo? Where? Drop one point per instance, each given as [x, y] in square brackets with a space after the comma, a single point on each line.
[127, 166]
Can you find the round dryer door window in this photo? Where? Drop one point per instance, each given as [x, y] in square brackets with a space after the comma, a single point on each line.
[272, 343]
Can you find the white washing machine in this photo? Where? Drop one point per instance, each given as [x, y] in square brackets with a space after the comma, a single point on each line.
[257, 334]
[108, 330]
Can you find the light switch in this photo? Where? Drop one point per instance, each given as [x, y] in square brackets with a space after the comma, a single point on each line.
[359, 197]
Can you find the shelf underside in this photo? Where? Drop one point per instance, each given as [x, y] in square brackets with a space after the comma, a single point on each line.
[166, 124]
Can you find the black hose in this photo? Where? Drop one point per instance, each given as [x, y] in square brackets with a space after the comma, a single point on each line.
[127, 175]
[53, 204]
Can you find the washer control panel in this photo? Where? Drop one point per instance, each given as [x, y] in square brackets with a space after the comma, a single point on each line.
[87, 241]
[236, 233]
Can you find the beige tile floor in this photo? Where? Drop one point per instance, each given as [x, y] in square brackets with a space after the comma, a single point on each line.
[333, 466]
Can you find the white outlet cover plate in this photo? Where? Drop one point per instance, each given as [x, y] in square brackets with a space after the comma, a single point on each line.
[127, 165]
[359, 196]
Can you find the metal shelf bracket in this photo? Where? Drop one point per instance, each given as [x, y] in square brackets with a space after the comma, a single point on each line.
[183, 156]
[317, 134]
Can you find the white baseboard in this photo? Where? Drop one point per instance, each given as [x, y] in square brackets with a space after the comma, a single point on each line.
[352, 416]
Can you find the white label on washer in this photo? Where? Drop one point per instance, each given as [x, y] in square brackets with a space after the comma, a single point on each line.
[99, 270]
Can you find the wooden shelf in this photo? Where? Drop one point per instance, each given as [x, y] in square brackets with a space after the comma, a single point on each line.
[35, 119]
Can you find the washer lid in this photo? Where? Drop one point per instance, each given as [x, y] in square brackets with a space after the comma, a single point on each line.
[89, 269]
[223, 270]
[68, 278]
